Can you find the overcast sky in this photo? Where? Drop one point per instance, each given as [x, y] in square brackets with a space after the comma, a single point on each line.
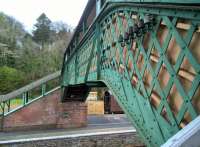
[27, 11]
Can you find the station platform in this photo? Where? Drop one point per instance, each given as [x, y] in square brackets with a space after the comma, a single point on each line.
[98, 126]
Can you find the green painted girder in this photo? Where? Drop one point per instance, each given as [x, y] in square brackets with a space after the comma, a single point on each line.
[161, 1]
[154, 73]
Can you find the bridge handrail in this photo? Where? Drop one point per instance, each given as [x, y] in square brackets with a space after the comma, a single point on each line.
[136, 2]
[29, 87]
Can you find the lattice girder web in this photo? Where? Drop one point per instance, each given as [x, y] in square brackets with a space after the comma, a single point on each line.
[132, 62]
[150, 59]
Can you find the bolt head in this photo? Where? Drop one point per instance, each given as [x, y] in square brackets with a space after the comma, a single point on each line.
[135, 28]
[141, 24]
[130, 30]
[126, 36]
[120, 39]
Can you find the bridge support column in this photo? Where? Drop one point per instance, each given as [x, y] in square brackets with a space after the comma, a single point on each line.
[72, 114]
[47, 113]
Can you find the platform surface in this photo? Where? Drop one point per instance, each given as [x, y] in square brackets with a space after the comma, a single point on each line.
[97, 125]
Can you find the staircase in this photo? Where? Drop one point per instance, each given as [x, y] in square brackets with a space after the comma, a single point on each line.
[24, 96]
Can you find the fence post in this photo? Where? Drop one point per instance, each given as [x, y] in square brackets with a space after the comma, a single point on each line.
[8, 104]
[25, 98]
[2, 116]
[43, 89]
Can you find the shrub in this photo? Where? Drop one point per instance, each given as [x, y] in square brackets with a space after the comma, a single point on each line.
[10, 79]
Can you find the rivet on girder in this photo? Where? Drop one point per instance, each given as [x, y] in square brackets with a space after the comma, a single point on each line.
[121, 40]
[149, 21]
[141, 28]
[113, 44]
[184, 47]
[130, 31]
[126, 37]
[173, 124]
[135, 30]
[104, 51]
[186, 101]
[141, 24]
[195, 15]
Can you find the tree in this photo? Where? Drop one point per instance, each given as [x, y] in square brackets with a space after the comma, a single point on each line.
[42, 32]
[10, 79]
[11, 37]
[21, 59]
[60, 31]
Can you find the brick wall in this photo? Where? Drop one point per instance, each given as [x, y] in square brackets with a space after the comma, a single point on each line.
[108, 140]
[47, 112]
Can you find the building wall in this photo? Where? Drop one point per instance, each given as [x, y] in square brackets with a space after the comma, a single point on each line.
[95, 107]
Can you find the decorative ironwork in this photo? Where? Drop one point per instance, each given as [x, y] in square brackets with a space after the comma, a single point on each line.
[149, 58]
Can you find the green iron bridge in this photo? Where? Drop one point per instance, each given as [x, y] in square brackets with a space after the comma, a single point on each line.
[147, 52]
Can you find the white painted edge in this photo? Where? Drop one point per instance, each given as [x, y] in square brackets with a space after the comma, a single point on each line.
[67, 136]
[108, 124]
[184, 135]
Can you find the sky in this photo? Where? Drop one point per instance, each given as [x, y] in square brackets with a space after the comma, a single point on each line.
[27, 11]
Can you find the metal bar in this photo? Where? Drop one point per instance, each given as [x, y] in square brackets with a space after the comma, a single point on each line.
[2, 116]
[26, 103]
[84, 27]
[29, 87]
[137, 3]
[125, 3]
[76, 69]
[90, 58]
[24, 99]
[183, 73]
[171, 1]
[43, 89]
[27, 95]
[8, 104]
[98, 51]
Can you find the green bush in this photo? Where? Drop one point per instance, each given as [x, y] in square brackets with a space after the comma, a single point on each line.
[10, 79]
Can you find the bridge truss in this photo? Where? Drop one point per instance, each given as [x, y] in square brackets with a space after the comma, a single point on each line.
[148, 54]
